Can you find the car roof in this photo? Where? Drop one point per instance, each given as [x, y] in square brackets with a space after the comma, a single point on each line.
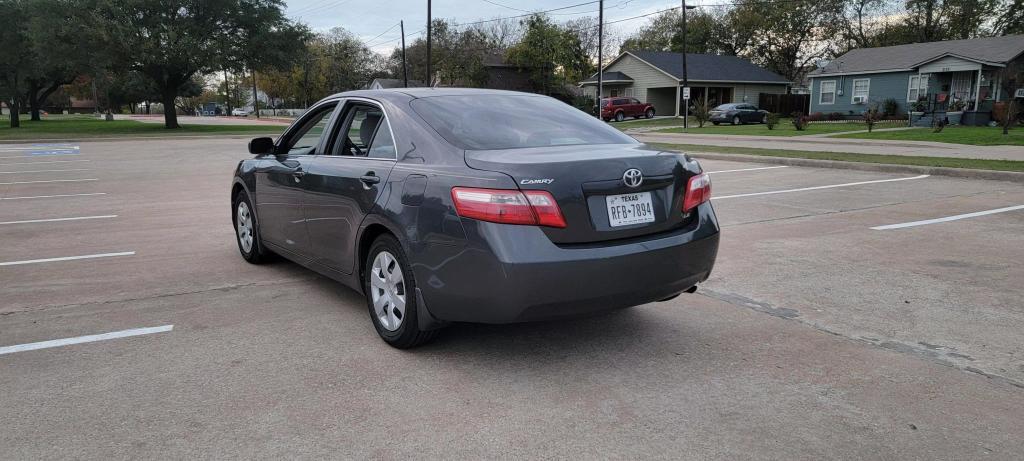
[396, 94]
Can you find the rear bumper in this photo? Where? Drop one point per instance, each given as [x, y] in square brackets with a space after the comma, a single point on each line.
[515, 274]
[720, 118]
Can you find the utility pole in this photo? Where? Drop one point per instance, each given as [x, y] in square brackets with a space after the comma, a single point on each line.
[600, 55]
[686, 82]
[429, 82]
[255, 96]
[405, 66]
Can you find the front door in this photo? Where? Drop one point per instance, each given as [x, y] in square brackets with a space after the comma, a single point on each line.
[279, 181]
[345, 183]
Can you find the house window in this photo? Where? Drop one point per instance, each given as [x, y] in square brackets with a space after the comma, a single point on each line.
[917, 88]
[615, 92]
[861, 88]
[628, 92]
[827, 92]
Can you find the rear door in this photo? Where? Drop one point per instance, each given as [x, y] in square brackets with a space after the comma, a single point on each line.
[347, 180]
[279, 180]
[638, 108]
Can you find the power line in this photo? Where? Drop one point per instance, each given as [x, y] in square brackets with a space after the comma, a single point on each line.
[382, 33]
[505, 6]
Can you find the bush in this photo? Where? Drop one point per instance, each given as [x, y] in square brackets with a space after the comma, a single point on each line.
[771, 120]
[701, 113]
[891, 107]
[800, 121]
[835, 116]
[920, 105]
[871, 116]
[585, 103]
[815, 117]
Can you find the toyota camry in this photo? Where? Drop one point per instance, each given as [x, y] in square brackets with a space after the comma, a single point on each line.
[460, 205]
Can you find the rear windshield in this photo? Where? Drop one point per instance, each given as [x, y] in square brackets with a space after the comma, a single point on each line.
[483, 122]
[725, 107]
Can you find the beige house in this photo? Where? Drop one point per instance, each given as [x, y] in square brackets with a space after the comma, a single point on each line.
[656, 77]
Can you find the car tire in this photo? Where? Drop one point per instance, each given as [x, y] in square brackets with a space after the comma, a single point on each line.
[715, 123]
[649, 113]
[736, 120]
[764, 119]
[619, 116]
[247, 234]
[389, 284]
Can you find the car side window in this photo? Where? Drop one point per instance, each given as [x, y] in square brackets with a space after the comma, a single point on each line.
[634, 101]
[306, 139]
[383, 144]
[364, 134]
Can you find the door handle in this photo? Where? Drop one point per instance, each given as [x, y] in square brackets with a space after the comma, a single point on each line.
[370, 178]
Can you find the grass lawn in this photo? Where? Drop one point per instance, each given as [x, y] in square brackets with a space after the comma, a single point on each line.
[998, 165]
[973, 135]
[784, 128]
[650, 123]
[89, 127]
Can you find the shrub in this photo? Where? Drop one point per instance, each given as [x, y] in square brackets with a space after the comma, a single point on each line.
[585, 103]
[920, 105]
[891, 107]
[835, 116]
[815, 117]
[799, 121]
[938, 125]
[701, 113]
[871, 116]
[771, 120]
[957, 106]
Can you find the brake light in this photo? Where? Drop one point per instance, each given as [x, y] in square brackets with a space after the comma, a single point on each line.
[698, 190]
[532, 207]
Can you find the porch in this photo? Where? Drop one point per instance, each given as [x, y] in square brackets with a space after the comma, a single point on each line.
[960, 90]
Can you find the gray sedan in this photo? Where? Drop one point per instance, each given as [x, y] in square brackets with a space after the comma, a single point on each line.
[458, 205]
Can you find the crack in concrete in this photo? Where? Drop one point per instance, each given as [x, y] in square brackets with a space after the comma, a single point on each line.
[933, 353]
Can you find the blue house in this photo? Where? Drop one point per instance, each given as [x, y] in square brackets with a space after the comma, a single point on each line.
[955, 79]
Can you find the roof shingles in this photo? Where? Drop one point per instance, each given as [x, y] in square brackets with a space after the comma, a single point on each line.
[710, 67]
[902, 57]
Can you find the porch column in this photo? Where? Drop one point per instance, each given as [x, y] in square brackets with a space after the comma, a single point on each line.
[706, 96]
[679, 95]
[977, 91]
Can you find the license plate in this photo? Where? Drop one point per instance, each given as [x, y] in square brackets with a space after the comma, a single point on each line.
[629, 209]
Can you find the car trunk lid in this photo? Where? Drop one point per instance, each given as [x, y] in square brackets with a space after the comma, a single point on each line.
[581, 178]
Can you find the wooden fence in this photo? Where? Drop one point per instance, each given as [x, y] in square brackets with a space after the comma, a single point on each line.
[784, 104]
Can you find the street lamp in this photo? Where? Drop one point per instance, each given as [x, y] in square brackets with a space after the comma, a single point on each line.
[686, 83]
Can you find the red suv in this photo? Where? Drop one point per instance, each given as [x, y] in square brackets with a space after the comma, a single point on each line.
[620, 108]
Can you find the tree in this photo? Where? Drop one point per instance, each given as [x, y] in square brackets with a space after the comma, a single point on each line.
[1011, 21]
[15, 55]
[553, 55]
[1011, 78]
[172, 41]
[63, 45]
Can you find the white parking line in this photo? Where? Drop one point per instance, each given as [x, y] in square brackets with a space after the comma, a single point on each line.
[53, 196]
[949, 218]
[84, 339]
[749, 169]
[830, 186]
[46, 161]
[37, 155]
[44, 171]
[66, 258]
[49, 180]
[77, 218]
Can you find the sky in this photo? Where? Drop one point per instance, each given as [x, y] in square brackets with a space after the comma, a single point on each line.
[372, 20]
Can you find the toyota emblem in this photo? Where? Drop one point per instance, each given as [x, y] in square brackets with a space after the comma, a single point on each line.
[633, 177]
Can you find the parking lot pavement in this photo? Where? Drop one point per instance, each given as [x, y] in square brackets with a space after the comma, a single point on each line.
[817, 336]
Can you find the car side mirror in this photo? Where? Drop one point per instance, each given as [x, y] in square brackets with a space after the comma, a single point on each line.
[261, 146]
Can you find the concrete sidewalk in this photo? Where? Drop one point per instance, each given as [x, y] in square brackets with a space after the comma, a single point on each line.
[858, 146]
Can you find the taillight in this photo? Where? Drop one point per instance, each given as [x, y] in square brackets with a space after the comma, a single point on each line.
[698, 190]
[532, 207]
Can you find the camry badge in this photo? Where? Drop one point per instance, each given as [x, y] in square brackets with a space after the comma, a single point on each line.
[633, 177]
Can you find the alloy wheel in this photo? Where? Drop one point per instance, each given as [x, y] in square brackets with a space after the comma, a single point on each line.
[387, 290]
[244, 226]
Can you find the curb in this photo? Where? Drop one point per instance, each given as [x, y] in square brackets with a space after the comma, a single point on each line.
[966, 173]
[141, 138]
